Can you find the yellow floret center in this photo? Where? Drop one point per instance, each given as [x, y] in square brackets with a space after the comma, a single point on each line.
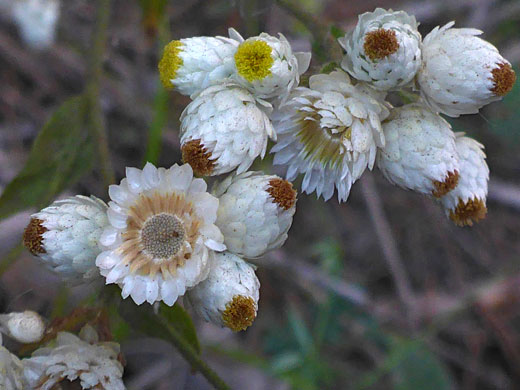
[170, 63]
[240, 313]
[253, 60]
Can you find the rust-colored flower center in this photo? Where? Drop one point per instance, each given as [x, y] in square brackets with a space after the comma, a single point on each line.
[282, 193]
[195, 154]
[466, 213]
[504, 78]
[240, 313]
[33, 236]
[380, 43]
[449, 183]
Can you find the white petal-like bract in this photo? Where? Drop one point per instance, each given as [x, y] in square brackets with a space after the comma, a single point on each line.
[255, 212]
[229, 296]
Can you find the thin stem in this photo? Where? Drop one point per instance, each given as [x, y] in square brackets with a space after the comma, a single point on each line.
[187, 351]
[95, 115]
[389, 246]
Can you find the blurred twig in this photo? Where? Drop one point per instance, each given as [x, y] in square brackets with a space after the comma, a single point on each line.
[95, 116]
[311, 274]
[388, 246]
[505, 193]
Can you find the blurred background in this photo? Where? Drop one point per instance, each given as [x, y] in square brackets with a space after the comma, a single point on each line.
[382, 292]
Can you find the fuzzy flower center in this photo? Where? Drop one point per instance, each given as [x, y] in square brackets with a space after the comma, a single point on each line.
[162, 230]
[282, 193]
[441, 188]
[195, 154]
[170, 63]
[320, 144]
[240, 313]
[253, 60]
[465, 213]
[380, 43]
[33, 236]
[162, 235]
[504, 78]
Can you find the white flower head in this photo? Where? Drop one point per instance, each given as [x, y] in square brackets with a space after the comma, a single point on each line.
[36, 20]
[420, 152]
[69, 358]
[329, 132]
[161, 235]
[229, 296]
[255, 212]
[25, 327]
[384, 49]
[466, 204]
[461, 72]
[224, 128]
[65, 236]
[267, 66]
[11, 371]
[192, 64]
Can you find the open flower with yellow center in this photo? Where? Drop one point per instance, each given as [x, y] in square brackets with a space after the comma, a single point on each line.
[190, 65]
[224, 128]
[384, 49]
[461, 72]
[267, 66]
[162, 233]
[420, 152]
[329, 132]
[466, 204]
[229, 296]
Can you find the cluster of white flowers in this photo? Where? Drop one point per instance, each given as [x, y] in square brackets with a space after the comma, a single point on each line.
[163, 235]
[67, 357]
[338, 126]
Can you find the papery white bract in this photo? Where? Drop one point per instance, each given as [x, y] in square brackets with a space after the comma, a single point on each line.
[255, 212]
[229, 296]
[11, 371]
[36, 20]
[420, 152]
[462, 72]
[384, 49]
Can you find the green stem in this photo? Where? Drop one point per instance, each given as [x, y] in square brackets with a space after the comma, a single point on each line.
[187, 351]
[95, 115]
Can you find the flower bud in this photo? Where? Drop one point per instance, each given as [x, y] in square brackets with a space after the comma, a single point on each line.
[26, 327]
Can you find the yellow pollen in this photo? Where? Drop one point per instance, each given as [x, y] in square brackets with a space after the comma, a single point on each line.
[380, 44]
[282, 193]
[253, 60]
[504, 78]
[195, 154]
[33, 236]
[240, 313]
[443, 187]
[465, 213]
[170, 63]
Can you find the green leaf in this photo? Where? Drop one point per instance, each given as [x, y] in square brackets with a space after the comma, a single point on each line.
[61, 154]
[181, 320]
[337, 32]
[416, 367]
[160, 324]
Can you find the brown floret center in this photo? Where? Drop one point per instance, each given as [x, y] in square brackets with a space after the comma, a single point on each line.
[449, 183]
[195, 154]
[33, 236]
[380, 43]
[466, 213]
[504, 78]
[282, 192]
[240, 313]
